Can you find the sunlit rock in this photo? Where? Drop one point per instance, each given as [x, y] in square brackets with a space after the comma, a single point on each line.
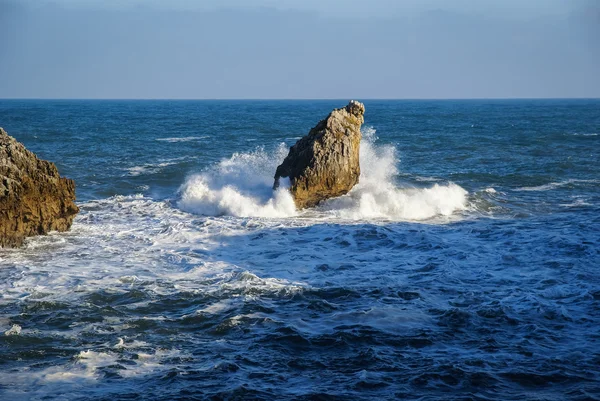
[325, 163]
[34, 199]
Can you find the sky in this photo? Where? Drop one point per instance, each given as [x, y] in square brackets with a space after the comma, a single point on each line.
[299, 49]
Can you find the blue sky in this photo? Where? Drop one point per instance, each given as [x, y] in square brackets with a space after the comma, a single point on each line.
[299, 49]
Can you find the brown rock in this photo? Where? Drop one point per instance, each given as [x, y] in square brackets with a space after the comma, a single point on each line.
[34, 199]
[325, 163]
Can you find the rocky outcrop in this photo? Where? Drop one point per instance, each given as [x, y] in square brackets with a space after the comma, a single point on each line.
[325, 163]
[34, 199]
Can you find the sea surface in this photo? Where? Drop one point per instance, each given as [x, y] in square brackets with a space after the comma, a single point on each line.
[464, 266]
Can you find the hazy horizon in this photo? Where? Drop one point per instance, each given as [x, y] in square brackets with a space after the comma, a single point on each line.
[283, 99]
[287, 50]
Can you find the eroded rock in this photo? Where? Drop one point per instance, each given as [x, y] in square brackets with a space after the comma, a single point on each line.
[325, 163]
[34, 198]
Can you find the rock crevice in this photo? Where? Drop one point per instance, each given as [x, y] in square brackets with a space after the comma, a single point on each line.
[34, 198]
[325, 163]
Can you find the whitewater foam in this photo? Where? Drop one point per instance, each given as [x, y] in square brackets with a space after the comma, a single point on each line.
[378, 196]
[86, 371]
[15, 330]
[241, 186]
[126, 238]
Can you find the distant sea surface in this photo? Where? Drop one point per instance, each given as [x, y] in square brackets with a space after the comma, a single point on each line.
[464, 266]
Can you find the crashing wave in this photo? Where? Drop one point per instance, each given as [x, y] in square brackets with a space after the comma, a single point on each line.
[241, 186]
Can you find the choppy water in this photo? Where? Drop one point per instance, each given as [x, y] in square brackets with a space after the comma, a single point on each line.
[465, 266]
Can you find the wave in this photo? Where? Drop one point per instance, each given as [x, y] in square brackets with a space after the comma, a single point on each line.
[241, 186]
[556, 185]
[579, 202]
[153, 168]
[182, 139]
[378, 196]
[147, 169]
[83, 374]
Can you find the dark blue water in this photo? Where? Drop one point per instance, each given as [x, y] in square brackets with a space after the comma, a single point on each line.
[465, 265]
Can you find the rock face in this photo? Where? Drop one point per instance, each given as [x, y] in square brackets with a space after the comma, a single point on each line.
[34, 199]
[325, 163]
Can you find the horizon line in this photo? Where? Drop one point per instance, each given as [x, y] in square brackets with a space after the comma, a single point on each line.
[296, 99]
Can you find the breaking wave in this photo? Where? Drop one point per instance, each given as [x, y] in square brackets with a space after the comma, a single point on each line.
[241, 186]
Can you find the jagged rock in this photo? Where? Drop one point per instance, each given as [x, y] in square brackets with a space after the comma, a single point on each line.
[325, 163]
[34, 199]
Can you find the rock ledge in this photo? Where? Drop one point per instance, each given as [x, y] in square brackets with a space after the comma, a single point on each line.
[34, 198]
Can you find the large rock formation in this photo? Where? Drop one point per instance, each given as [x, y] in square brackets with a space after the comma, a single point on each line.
[34, 199]
[324, 164]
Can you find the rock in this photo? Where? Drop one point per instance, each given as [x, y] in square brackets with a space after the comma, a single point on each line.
[34, 199]
[325, 163]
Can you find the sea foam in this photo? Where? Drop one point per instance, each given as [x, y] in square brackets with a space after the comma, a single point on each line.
[241, 186]
[377, 194]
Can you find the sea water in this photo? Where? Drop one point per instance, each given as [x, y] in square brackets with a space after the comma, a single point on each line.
[463, 266]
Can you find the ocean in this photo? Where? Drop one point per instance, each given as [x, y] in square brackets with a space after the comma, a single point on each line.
[465, 265]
